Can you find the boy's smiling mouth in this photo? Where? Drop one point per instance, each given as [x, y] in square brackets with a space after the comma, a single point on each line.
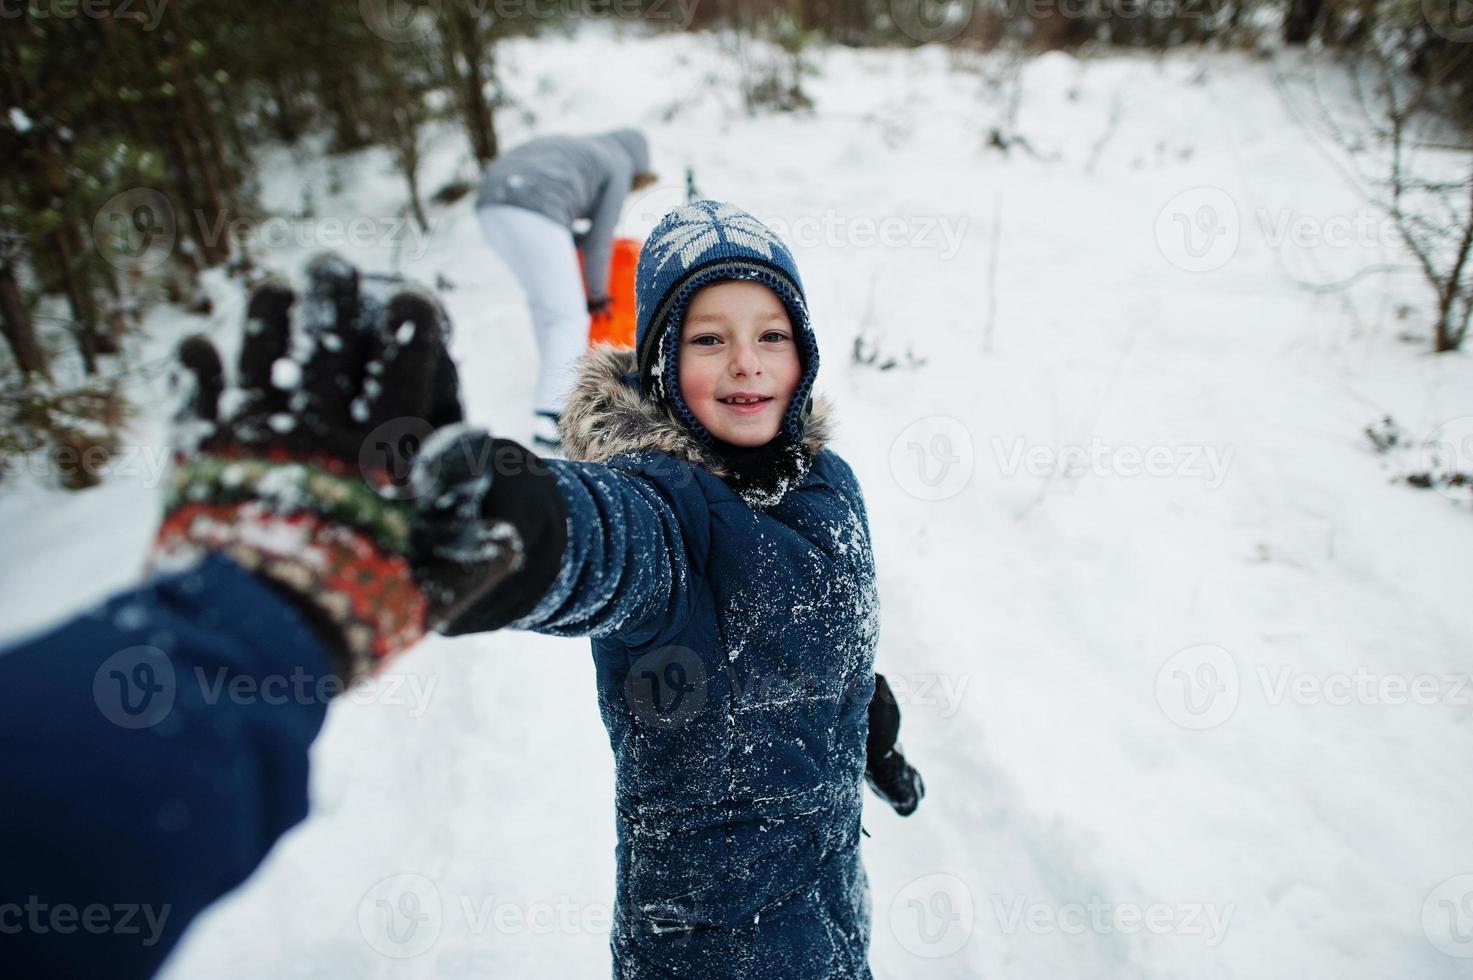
[745, 402]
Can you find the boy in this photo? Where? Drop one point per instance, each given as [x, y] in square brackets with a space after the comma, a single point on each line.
[718, 553]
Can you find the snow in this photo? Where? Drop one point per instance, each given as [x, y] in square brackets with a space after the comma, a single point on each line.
[19, 121]
[1116, 485]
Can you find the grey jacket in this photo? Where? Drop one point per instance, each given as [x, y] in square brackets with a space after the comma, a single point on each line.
[572, 177]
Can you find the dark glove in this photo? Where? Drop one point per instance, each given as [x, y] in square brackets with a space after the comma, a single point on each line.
[305, 478]
[892, 778]
[526, 496]
[464, 519]
[600, 305]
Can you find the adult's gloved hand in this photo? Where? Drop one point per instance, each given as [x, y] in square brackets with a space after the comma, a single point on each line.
[313, 473]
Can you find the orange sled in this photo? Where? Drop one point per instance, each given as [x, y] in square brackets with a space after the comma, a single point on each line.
[617, 326]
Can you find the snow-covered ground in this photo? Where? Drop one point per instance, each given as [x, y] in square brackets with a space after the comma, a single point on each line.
[1184, 669]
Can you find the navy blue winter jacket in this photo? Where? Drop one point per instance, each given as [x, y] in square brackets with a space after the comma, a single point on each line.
[733, 641]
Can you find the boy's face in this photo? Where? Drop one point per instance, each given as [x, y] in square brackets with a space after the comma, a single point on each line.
[737, 344]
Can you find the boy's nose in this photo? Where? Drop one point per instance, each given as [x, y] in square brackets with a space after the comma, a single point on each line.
[744, 360]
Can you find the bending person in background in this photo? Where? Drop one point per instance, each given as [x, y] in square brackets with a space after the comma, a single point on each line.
[529, 201]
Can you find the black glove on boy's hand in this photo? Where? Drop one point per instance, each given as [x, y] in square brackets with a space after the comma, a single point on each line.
[892, 778]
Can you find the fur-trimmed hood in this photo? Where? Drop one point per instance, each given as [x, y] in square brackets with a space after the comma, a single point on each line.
[605, 416]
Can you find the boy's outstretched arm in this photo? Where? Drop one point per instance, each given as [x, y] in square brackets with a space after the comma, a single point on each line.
[608, 550]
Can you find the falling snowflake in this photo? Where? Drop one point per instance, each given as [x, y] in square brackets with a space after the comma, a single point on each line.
[693, 230]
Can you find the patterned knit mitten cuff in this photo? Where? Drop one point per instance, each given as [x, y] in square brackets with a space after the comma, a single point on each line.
[311, 527]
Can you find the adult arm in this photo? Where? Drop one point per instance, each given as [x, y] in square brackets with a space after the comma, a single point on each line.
[156, 747]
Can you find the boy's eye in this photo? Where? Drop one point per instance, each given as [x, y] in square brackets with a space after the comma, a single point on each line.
[705, 340]
[775, 336]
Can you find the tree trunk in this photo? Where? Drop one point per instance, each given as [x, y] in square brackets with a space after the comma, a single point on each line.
[342, 100]
[1452, 322]
[185, 214]
[288, 127]
[1301, 21]
[198, 103]
[192, 138]
[404, 124]
[472, 84]
[20, 332]
[77, 299]
[409, 157]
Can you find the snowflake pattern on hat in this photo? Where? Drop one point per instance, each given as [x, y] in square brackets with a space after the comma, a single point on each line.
[692, 231]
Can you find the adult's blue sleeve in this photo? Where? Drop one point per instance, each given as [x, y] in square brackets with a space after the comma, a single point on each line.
[152, 750]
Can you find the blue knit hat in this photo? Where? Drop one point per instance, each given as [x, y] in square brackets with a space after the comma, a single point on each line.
[694, 246]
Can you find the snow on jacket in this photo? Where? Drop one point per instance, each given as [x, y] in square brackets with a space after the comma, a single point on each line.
[734, 653]
[571, 177]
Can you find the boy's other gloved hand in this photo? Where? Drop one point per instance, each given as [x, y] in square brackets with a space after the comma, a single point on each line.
[885, 770]
[304, 473]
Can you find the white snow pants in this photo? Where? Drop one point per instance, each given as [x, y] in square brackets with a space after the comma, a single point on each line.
[542, 256]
